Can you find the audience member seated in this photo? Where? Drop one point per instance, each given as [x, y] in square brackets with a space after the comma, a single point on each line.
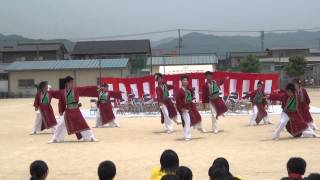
[38, 170]
[169, 162]
[170, 177]
[220, 170]
[296, 168]
[314, 176]
[107, 170]
[184, 173]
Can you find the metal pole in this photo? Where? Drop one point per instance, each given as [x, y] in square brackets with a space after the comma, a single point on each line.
[179, 42]
[99, 72]
[151, 64]
[262, 40]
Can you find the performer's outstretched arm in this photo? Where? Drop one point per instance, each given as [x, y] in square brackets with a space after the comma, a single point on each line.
[88, 91]
[36, 102]
[115, 94]
[55, 94]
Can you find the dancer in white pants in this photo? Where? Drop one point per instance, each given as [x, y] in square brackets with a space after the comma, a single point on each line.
[291, 118]
[284, 119]
[167, 109]
[71, 118]
[187, 109]
[210, 95]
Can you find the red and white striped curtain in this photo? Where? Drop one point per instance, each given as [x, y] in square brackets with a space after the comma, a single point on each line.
[237, 82]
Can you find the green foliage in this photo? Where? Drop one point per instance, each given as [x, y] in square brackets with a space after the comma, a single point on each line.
[296, 66]
[250, 64]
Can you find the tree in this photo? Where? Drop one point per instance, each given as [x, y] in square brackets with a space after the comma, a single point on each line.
[296, 66]
[250, 64]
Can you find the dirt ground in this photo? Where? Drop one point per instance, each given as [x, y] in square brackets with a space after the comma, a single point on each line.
[137, 145]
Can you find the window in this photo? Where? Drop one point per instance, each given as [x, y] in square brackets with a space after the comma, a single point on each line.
[3, 76]
[26, 83]
[21, 58]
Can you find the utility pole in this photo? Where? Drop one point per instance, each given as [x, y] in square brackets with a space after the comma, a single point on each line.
[262, 40]
[179, 42]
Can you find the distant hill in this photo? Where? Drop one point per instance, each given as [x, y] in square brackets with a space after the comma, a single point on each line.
[204, 43]
[9, 40]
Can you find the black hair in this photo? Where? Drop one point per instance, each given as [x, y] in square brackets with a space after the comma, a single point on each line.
[220, 170]
[41, 85]
[107, 170]
[157, 75]
[184, 77]
[169, 161]
[208, 73]
[291, 87]
[68, 79]
[170, 177]
[297, 81]
[296, 165]
[38, 170]
[184, 173]
[314, 176]
[259, 83]
[105, 85]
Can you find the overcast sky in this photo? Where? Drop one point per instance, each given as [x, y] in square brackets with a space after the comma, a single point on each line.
[95, 18]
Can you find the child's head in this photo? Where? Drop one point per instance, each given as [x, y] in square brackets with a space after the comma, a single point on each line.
[158, 77]
[259, 85]
[297, 83]
[220, 170]
[208, 75]
[290, 89]
[184, 173]
[106, 170]
[296, 165]
[38, 170]
[184, 80]
[169, 161]
[68, 82]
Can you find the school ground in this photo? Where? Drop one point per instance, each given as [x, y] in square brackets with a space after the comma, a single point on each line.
[137, 145]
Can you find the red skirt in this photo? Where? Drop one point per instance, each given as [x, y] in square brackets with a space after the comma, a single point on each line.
[47, 115]
[106, 113]
[305, 113]
[171, 110]
[220, 106]
[194, 114]
[296, 124]
[75, 122]
[262, 113]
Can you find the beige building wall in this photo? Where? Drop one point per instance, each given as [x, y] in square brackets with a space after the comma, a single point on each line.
[82, 78]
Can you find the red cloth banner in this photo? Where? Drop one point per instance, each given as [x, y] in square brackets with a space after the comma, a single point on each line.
[236, 82]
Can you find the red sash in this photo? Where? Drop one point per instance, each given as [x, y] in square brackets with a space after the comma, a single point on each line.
[219, 105]
[75, 123]
[47, 115]
[106, 113]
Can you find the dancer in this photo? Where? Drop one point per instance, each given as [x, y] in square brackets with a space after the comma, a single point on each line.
[304, 102]
[210, 95]
[167, 109]
[259, 102]
[187, 109]
[45, 118]
[71, 118]
[290, 116]
[105, 113]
